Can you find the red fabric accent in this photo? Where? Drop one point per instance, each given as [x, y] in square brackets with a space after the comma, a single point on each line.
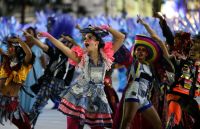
[12, 106]
[79, 53]
[72, 123]
[172, 97]
[107, 81]
[175, 108]
[82, 110]
[97, 117]
[109, 51]
[22, 124]
[180, 89]
[85, 116]
[128, 62]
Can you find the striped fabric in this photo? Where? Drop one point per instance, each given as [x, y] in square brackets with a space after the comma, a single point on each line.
[93, 119]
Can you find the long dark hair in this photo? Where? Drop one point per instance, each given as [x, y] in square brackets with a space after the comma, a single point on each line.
[184, 42]
[34, 31]
[20, 55]
[19, 52]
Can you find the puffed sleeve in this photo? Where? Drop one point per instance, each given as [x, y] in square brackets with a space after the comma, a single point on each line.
[108, 53]
[79, 53]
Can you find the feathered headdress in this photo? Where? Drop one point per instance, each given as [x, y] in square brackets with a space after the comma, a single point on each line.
[64, 24]
[9, 27]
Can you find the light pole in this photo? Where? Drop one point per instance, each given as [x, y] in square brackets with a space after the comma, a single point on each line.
[23, 12]
[124, 12]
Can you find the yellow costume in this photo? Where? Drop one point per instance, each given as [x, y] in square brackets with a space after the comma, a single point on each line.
[15, 76]
[11, 82]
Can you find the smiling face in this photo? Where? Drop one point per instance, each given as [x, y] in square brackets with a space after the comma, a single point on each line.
[141, 53]
[90, 42]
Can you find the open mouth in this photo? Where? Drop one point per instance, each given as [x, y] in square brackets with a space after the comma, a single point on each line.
[86, 45]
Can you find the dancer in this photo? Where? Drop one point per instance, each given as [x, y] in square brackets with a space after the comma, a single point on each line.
[85, 102]
[13, 71]
[26, 100]
[57, 76]
[185, 88]
[138, 91]
[141, 78]
[185, 58]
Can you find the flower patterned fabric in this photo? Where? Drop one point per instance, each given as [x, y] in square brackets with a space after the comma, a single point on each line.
[86, 98]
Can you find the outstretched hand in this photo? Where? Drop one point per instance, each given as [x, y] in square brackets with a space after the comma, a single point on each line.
[44, 34]
[140, 20]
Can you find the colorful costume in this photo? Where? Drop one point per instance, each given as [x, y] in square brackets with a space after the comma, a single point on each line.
[139, 84]
[57, 76]
[182, 93]
[138, 90]
[27, 101]
[86, 99]
[11, 80]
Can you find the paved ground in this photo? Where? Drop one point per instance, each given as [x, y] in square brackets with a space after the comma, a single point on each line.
[53, 119]
[49, 119]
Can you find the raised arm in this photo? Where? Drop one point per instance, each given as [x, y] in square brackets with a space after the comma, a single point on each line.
[167, 33]
[118, 37]
[36, 41]
[68, 38]
[26, 49]
[67, 51]
[155, 37]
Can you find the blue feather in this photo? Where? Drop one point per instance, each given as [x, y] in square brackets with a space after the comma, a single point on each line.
[63, 25]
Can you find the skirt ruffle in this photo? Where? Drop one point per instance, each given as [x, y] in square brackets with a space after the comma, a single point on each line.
[88, 103]
[92, 119]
